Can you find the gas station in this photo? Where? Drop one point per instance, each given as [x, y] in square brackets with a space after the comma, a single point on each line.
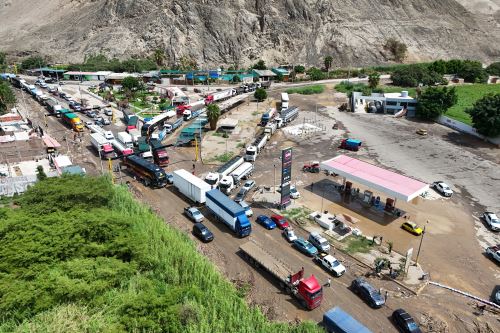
[394, 185]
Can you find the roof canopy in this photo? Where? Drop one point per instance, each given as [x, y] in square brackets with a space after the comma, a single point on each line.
[391, 183]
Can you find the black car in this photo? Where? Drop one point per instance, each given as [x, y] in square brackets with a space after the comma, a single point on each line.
[241, 195]
[202, 232]
[367, 292]
[405, 322]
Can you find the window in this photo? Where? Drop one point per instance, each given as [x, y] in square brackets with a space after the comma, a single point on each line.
[391, 103]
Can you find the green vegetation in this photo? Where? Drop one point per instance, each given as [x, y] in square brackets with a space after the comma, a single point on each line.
[99, 62]
[260, 94]
[260, 65]
[485, 115]
[373, 80]
[299, 69]
[492, 69]
[358, 244]
[80, 255]
[296, 214]
[349, 87]
[33, 62]
[7, 97]
[328, 61]
[467, 96]
[434, 101]
[413, 75]
[213, 115]
[307, 90]
[3, 62]
[223, 158]
[397, 48]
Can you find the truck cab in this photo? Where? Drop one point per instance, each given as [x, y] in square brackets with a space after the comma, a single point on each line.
[212, 179]
[309, 291]
[251, 153]
[226, 185]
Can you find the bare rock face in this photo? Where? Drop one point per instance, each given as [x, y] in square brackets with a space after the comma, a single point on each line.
[214, 32]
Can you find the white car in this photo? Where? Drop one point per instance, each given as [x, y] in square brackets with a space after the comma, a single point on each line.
[249, 184]
[88, 124]
[289, 234]
[442, 188]
[108, 112]
[109, 135]
[331, 264]
[492, 221]
[294, 194]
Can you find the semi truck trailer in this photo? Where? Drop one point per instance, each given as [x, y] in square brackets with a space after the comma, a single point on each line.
[213, 178]
[229, 212]
[287, 116]
[103, 146]
[219, 96]
[255, 148]
[160, 155]
[284, 101]
[308, 291]
[192, 187]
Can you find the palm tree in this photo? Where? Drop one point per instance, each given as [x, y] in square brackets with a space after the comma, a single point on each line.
[213, 114]
[328, 62]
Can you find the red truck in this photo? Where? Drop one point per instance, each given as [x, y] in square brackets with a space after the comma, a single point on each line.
[307, 290]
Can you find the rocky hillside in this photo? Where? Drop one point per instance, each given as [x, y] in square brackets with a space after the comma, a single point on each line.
[240, 31]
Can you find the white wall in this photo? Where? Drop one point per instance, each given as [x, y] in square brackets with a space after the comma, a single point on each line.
[459, 126]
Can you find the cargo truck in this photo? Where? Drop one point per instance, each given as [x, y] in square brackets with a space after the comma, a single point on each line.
[192, 187]
[170, 127]
[271, 128]
[160, 155]
[220, 96]
[308, 291]
[130, 119]
[103, 146]
[350, 144]
[149, 173]
[284, 101]
[255, 148]
[125, 139]
[53, 106]
[268, 116]
[121, 149]
[287, 116]
[337, 320]
[72, 120]
[229, 212]
[228, 183]
[213, 178]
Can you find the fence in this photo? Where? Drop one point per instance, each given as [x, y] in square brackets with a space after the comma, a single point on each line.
[459, 126]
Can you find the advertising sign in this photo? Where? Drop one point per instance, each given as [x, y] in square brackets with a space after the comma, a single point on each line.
[286, 176]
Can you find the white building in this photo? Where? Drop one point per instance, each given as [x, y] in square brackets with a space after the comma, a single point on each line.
[390, 103]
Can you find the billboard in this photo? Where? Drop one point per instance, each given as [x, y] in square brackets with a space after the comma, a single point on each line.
[286, 176]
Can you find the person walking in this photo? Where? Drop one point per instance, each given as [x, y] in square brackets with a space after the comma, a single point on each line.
[328, 282]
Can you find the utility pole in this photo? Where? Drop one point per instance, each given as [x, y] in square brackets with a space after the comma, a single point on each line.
[420, 245]
[274, 179]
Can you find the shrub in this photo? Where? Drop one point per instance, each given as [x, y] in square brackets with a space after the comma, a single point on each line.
[435, 101]
[486, 115]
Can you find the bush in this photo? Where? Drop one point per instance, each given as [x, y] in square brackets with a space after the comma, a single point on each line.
[7, 97]
[472, 71]
[486, 115]
[494, 69]
[316, 74]
[299, 69]
[33, 62]
[397, 48]
[307, 90]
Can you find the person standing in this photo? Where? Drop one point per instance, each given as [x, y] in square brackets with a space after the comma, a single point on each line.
[328, 282]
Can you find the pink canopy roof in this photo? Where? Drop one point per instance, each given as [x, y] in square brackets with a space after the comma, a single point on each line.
[391, 183]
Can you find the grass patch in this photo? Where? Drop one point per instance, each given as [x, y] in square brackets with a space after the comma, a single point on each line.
[255, 113]
[348, 87]
[308, 90]
[358, 244]
[223, 158]
[467, 96]
[219, 134]
[240, 145]
[296, 213]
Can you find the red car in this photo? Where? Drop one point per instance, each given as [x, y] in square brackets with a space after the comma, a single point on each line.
[280, 221]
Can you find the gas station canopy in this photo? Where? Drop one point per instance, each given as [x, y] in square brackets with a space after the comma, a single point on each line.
[388, 182]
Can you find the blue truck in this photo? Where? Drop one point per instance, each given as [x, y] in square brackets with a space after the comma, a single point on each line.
[226, 210]
[350, 144]
[337, 320]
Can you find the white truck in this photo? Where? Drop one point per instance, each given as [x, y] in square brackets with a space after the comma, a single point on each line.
[331, 264]
[230, 182]
[191, 186]
[103, 146]
[271, 128]
[494, 253]
[284, 101]
[135, 134]
[126, 139]
[255, 148]
[287, 115]
[213, 178]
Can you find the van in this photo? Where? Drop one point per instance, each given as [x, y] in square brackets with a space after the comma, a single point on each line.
[319, 242]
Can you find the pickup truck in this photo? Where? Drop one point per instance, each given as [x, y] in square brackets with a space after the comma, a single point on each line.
[494, 253]
[193, 214]
[331, 264]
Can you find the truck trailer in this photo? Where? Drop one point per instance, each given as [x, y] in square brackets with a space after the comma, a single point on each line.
[307, 290]
[229, 212]
[284, 101]
[219, 96]
[125, 139]
[228, 183]
[191, 186]
[149, 173]
[121, 149]
[213, 178]
[160, 155]
[287, 115]
[337, 320]
[103, 146]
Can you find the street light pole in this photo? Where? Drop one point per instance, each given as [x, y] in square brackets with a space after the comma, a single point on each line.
[420, 245]
[274, 179]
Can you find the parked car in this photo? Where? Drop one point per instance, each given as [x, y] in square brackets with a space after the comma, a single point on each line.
[106, 121]
[170, 178]
[496, 295]
[193, 214]
[43, 85]
[330, 263]
[412, 227]
[67, 97]
[492, 220]
[50, 80]
[109, 135]
[405, 322]
[62, 94]
[88, 124]
[319, 242]
[305, 247]
[280, 221]
[202, 232]
[289, 234]
[108, 112]
[248, 209]
[294, 194]
[99, 123]
[367, 292]
[52, 90]
[266, 222]
[249, 184]
[241, 195]
[442, 188]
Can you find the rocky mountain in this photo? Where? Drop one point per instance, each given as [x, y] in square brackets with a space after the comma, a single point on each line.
[214, 32]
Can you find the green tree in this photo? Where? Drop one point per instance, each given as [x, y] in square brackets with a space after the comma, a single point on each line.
[435, 101]
[413, 75]
[397, 48]
[472, 71]
[485, 114]
[494, 69]
[7, 97]
[33, 62]
[236, 79]
[40, 173]
[260, 94]
[131, 83]
[315, 74]
[213, 115]
[328, 62]
[373, 80]
[299, 69]
[453, 66]
[159, 57]
[438, 66]
[261, 65]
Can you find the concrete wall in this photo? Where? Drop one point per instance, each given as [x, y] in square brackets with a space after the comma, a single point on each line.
[461, 127]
